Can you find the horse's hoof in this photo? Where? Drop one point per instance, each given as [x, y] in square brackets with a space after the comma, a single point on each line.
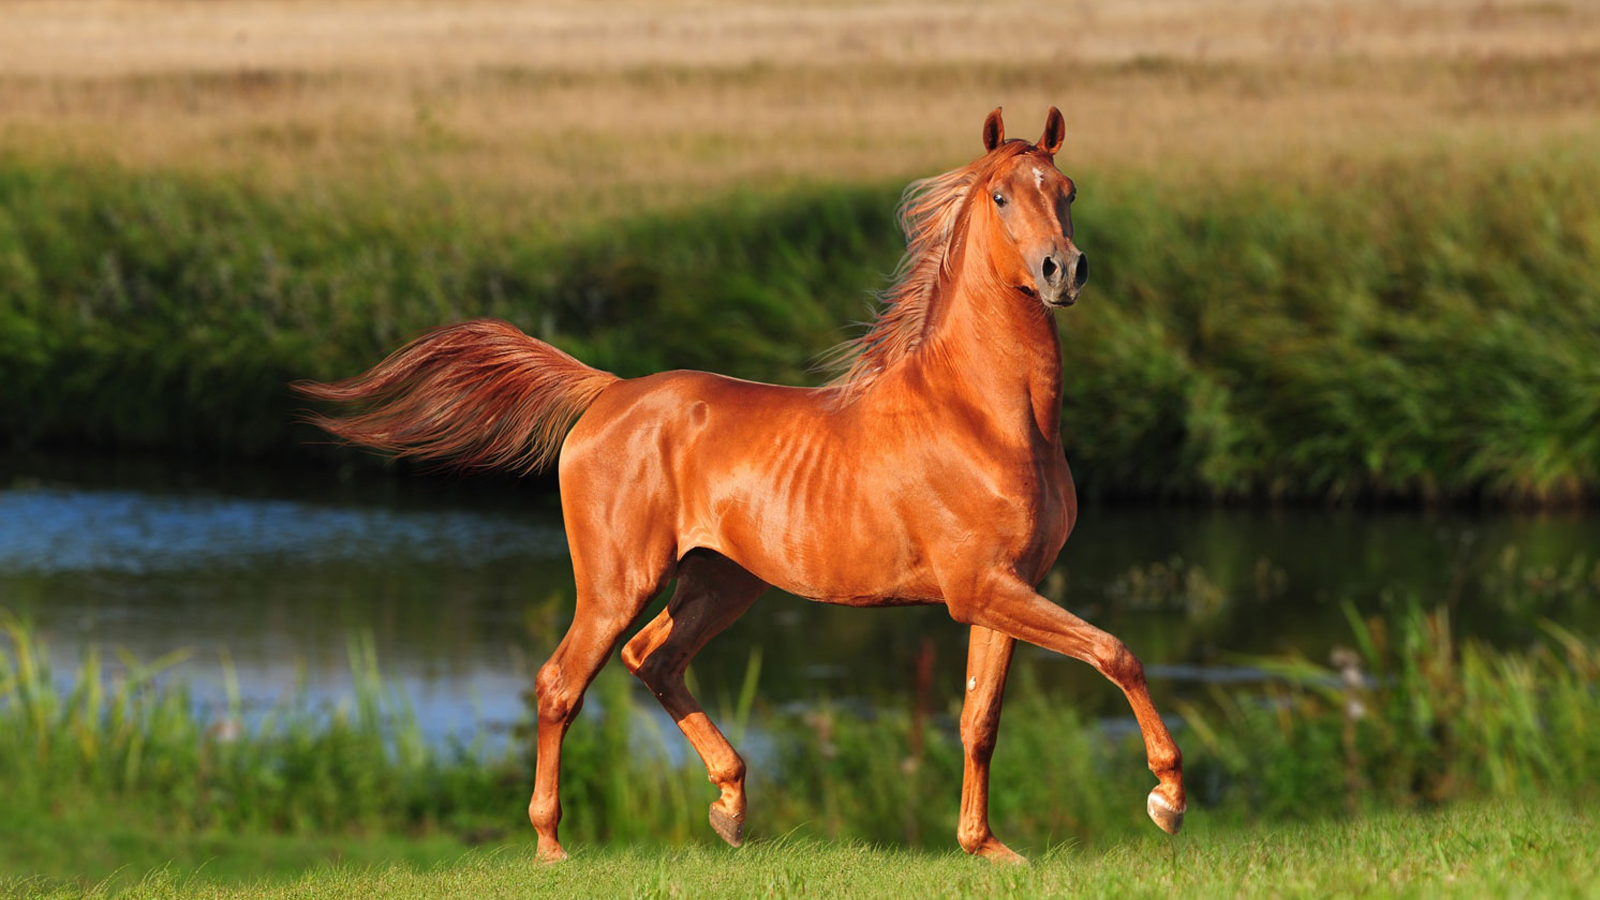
[1167, 817]
[727, 827]
[1000, 854]
[551, 855]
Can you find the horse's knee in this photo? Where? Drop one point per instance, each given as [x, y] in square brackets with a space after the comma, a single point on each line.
[557, 701]
[1118, 663]
[979, 743]
[544, 812]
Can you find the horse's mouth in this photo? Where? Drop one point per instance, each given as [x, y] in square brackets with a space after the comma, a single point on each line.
[1062, 301]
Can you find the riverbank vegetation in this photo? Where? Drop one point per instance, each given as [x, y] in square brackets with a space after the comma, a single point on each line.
[1426, 327]
[1411, 718]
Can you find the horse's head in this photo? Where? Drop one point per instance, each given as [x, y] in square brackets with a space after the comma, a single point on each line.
[1026, 204]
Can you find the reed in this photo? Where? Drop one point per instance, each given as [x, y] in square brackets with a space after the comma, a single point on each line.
[119, 731]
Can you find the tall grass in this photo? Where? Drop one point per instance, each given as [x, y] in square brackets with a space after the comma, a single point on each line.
[118, 732]
[1422, 327]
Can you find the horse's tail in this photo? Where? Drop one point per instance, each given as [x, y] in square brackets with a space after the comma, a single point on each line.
[480, 394]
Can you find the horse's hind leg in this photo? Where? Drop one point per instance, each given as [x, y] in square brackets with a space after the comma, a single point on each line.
[988, 662]
[712, 592]
[606, 607]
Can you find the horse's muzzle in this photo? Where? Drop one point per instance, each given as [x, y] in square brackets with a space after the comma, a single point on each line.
[1061, 276]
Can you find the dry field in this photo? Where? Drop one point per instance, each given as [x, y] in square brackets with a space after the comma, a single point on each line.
[598, 106]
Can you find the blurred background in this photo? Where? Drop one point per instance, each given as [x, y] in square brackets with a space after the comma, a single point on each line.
[1332, 395]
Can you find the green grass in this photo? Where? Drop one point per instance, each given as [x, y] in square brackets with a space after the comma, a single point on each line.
[90, 841]
[1525, 849]
[1424, 326]
[117, 735]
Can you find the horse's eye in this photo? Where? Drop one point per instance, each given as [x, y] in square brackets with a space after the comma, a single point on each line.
[999, 199]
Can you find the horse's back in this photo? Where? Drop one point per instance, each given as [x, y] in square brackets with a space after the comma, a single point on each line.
[681, 404]
[663, 436]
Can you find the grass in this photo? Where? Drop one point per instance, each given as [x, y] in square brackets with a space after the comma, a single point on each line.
[99, 844]
[1425, 722]
[1536, 849]
[117, 730]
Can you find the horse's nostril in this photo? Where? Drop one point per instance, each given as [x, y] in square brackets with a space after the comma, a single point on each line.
[1080, 272]
[1050, 270]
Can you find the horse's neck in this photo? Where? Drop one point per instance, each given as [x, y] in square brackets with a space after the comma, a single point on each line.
[996, 349]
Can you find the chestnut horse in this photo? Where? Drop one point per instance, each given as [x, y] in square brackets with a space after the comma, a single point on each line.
[930, 471]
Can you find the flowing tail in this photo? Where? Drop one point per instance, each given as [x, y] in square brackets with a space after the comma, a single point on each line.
[479, 395]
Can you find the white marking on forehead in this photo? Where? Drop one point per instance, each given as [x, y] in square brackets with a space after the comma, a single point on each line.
[1038, 177]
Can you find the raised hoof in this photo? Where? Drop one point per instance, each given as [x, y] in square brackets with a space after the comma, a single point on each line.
[727, 827]
[1167, 817]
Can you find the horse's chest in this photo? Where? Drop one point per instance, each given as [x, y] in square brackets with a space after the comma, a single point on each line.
[1032, 512]
[1038, 499]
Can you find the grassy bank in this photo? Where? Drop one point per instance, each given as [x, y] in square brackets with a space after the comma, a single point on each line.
[1333, 259]
[126, 759]
[1424, 325]
[1535, 849]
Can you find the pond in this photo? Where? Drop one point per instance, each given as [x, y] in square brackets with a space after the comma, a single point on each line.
[464, 587]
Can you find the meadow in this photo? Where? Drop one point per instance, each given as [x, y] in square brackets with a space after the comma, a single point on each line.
[1480, 850]
[578, 112]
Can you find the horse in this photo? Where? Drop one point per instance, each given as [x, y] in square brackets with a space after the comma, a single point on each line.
[929, 470]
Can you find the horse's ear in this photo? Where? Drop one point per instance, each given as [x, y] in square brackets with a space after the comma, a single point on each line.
[1055, 129]
[994, 130]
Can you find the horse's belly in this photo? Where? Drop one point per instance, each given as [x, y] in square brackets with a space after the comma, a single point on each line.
[852, 555]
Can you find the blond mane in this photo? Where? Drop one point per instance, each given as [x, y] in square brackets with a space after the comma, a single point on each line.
[929, 212]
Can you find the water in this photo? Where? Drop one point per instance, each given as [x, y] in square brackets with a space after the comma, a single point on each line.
[465, 586]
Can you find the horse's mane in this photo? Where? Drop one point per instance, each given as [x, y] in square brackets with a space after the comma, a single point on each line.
[929, 212]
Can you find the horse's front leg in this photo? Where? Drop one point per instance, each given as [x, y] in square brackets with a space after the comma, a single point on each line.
[988, 661]
[1012, 607]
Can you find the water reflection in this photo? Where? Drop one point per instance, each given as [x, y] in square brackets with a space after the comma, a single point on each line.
[65, 530]
[464, 595]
